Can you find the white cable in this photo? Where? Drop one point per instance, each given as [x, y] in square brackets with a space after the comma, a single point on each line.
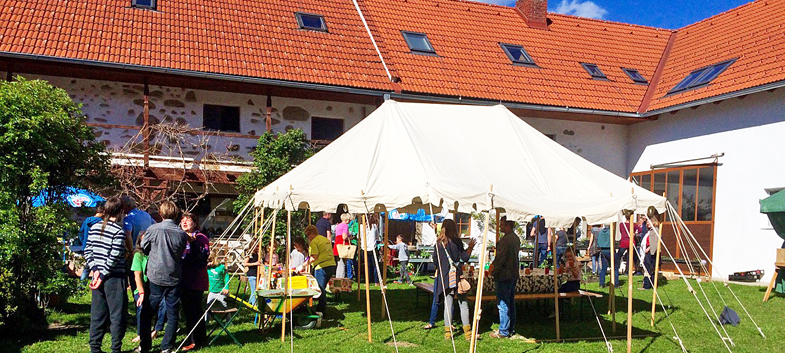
[381, 288]
[607, 343]
[440, 274]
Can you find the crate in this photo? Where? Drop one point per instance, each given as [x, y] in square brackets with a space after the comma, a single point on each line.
[748, 276]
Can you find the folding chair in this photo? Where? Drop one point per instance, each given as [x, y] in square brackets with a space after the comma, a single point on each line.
[224, 317]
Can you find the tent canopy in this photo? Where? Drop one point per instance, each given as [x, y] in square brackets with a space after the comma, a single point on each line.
[396, 157]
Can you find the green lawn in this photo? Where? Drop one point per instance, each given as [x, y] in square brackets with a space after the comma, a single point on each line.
[345, 330]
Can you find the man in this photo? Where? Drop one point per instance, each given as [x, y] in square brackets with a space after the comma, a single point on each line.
[136, 221]
[505, 273]
[85, 230]
[323, 226]
[164, 243]
[542, 236]
[603, 238]
[321, 258]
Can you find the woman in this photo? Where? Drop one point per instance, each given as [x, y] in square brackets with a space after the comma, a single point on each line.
[450, 251]
[371, 237]
[323, 262]
[195, 281]
[341, 238]
[105, 251]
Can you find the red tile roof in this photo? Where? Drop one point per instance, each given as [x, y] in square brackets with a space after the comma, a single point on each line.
[754, 33]
[260, 39]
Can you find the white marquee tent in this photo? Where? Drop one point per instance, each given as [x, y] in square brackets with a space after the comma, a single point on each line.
[396, 155]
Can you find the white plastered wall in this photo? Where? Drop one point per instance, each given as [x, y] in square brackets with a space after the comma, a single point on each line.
[750, 132]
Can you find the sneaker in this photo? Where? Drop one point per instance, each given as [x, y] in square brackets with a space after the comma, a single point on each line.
[496, 334]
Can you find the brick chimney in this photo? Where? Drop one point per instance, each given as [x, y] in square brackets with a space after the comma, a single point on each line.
[535, 12]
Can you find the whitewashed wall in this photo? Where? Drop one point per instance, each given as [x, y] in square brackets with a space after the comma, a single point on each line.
[602, 144]
[117, 103]
[750, 132]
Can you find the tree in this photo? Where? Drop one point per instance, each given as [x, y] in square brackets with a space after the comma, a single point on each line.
[46, 148]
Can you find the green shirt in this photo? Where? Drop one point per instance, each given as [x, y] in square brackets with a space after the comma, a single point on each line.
[139, 264]
[322, 251]
[219, 278]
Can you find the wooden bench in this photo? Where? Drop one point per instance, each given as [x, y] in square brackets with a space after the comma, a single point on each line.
[427, 289]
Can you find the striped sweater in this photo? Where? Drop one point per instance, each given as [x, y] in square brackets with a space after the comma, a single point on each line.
[105, 252]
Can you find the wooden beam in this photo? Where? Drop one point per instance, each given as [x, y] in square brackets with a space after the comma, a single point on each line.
[629, 285]
[480, 283]
[367, 284]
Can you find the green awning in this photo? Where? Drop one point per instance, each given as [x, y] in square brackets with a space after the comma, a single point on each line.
[773, 203]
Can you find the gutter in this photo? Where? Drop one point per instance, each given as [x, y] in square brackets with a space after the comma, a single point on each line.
[721, 97]
[206, 75]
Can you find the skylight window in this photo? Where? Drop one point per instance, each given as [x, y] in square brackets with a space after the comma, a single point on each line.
[635, 76]
[701, 77]
[145, 4]
[517, 54]
[311, 21]
[418, 42]
[594, 71]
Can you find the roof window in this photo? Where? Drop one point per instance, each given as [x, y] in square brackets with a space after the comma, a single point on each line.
[594, 71]
[635, 76]
[701, 77]
[418, 42]
[311, 21]
[144, 4]
[517, 54]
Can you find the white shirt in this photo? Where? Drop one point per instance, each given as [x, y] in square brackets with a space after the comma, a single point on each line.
[296, 259]
[371, 236]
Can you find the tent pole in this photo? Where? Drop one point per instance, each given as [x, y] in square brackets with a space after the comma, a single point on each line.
[478, 296]
[287, 275]
[384, 260]
[556, 286]
[497, 227]
[367, 284]
[612, 289]
[656, 274]
[260, 236]
[272, 247]
[629, 285]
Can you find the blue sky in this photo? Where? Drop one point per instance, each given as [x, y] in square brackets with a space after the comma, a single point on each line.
[670, 14]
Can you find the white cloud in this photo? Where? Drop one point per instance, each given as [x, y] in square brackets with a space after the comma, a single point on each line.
[498, 2]
[583, 9]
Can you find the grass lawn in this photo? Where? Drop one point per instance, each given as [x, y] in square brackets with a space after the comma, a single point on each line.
[344, 329]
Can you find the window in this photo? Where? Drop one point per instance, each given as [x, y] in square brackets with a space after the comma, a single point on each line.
[221, 118]
[701, 77]
[418, 42]
[326, 128]
[145, 4]
[594, 71]
[463, 221]
[635, 76]
[517, 54]
[311, 21]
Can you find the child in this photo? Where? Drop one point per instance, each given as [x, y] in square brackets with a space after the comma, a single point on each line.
[403, 258]
[219, 282]
[573, 267]
[297, 258]
[139, 267]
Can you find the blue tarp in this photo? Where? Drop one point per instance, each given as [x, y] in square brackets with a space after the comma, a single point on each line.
[74, 197]
[420, 216]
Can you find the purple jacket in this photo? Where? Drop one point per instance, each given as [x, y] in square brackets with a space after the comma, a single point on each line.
[195, 263]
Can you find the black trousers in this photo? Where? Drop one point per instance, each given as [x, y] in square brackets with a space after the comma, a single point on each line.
[109, 309]
[194, 310]
[649, 261]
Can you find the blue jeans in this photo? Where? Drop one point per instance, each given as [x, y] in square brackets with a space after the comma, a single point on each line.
[649, 261]
[560, 253]
[605, 260]
[437, 300]
[621, 254]
[543, 250]
[405, 272]
[159, 323]
[595, 264]
[171, 295]
[323, 276]
[350, 268]
[505, 301]
[252, 288]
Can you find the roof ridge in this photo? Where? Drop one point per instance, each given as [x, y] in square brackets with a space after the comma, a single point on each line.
[737, 8]
[609, 22]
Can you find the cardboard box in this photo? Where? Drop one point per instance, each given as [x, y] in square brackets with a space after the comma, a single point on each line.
[780, 255]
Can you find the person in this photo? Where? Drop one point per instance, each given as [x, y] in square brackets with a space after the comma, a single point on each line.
[371, 238]
[324, 226]
[573, 267]
[450, 253]
[561, 243]
[542, 236]
[139, 266]
[593, 251]
[84, 232]
[505, 273]
[604, 245]
[219, 282]
[270, 258]
[351, 264]
[298, 255]
[194, 281]
[403, 259]
[640, 231]
[135, 221]
[323, 262]
[622, 253]
[165, 244]
[252, 264]
[649, 257]
[104, 252]
[341, 237]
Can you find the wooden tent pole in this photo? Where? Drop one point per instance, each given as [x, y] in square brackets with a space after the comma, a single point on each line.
[287, 276]
[629, 285]
[497, 228]
[385, 249]
[656, 273]
[480, 281]
[272, 247]
[556, 286]
[367, 284]
[612, 289]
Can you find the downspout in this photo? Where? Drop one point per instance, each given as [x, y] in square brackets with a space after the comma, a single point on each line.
[357, 6]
